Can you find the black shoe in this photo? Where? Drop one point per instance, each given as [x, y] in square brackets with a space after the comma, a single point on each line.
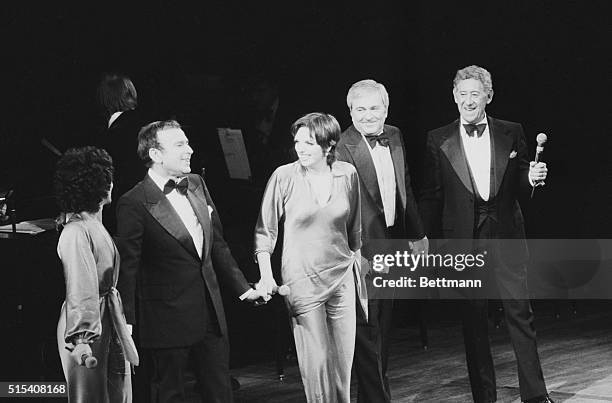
[540, 399]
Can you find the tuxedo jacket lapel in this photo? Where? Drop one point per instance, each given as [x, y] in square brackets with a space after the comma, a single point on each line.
[197, 199]
[452, 148]
[363, 163]
[161, 209]
[501, 145]
[397, 156]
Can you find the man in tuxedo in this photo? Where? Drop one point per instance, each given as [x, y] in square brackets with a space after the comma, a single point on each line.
[173, 256]
[388, 211]
[475, 168]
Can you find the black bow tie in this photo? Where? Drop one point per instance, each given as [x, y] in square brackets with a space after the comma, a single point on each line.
[382, 139]
[470, 128]
[180, 187]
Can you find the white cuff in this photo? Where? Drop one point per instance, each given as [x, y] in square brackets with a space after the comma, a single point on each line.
[246, 294]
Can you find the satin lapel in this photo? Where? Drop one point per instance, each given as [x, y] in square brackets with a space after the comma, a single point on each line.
[397, 155]
[196, 197]
[452, 148]
[362, 159]
[161, 209]
[501, 143]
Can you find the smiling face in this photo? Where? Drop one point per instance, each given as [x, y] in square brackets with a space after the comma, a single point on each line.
[174, 155]
[310, 153]
[368, 112]
[471, 99]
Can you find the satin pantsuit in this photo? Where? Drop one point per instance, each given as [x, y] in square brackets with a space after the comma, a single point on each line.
[93, 313]
[318, 265]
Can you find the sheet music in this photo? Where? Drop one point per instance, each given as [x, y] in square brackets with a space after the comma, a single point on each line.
[236, 157]
[31, 227]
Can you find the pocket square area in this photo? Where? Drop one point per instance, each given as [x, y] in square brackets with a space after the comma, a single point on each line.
[512, 154]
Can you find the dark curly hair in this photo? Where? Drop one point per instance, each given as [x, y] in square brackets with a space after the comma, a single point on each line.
[82, 179]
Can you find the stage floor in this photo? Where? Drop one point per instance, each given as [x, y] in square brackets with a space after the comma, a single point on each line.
[575, 350]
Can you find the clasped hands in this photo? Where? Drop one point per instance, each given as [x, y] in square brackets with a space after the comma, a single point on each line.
[264, 289]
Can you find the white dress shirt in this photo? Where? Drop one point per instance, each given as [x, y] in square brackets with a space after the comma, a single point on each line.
[114, 117]
[385, 174]
[183, 208]
[478, 154]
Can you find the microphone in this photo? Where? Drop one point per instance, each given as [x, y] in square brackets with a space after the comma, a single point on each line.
[89, 360]
[540, 139]
[282, 290]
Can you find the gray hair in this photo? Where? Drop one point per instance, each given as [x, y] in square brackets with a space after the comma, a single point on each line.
[362, 86]
[477, 73]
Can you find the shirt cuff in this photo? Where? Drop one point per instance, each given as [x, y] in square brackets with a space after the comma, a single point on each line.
[246, 294]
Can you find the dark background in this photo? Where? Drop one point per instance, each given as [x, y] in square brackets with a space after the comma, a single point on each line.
[550, 62]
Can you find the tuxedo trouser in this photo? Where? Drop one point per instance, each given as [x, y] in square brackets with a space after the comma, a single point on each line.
[512, 286]
[372, 351]
[372, 343]
[325, 343]
[207, 360]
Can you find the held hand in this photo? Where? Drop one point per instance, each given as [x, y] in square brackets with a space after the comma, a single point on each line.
[420, 246]
[267, 285]
[257, 297]
[537, 173]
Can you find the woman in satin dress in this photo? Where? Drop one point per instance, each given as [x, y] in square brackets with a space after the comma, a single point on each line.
[91, 322]
[317, 199]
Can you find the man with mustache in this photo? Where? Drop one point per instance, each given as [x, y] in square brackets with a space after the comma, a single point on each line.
[475, 168]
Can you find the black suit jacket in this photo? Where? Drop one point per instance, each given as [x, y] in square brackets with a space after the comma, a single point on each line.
[447, 201]
[121, 142]
[176, 291]
[353, 148]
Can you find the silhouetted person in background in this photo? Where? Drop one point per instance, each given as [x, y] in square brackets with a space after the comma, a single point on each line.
[118, 99]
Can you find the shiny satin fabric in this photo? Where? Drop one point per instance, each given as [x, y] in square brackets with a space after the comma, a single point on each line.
[319, 240]
[93, 313]
[110, 381]
[320, 266]
[113, 301]
[325, 343]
